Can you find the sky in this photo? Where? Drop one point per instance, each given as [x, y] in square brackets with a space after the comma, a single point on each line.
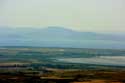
[82, 15]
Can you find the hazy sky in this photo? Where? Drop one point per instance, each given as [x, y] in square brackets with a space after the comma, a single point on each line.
[85, 15]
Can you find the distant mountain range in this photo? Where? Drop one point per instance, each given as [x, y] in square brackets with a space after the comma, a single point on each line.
[58, 37]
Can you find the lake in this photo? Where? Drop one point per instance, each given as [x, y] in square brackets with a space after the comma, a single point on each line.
[100, 60]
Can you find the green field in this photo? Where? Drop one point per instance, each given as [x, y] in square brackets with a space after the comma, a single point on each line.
[36, 58]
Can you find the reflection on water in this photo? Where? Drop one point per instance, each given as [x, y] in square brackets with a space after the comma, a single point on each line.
[101, 60]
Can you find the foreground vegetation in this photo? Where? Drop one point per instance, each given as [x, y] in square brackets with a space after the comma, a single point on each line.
[64, 76]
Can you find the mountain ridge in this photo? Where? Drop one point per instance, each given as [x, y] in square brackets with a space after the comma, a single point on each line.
[58, 37]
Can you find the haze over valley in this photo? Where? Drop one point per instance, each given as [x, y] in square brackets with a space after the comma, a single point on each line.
[54, 36]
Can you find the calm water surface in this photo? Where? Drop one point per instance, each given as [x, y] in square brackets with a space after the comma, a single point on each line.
[101, 60]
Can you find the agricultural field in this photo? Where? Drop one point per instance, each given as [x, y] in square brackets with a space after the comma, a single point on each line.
[61, 65]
